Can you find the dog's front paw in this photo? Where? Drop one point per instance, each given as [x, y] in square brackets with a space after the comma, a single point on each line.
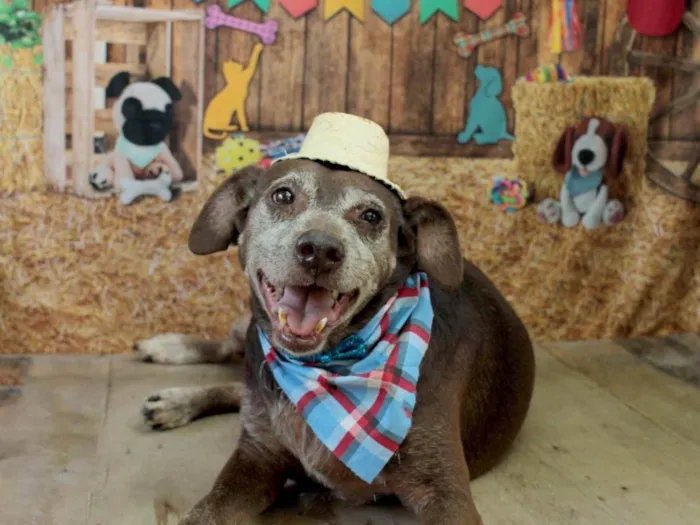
[206, 513]
[169, 349]
[613, 213]
[172, 407]
[570, 219]
[549, 211]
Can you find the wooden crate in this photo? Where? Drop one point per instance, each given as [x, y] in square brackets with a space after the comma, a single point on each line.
[71, 119]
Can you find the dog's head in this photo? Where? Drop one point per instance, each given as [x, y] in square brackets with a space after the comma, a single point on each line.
[323, 248]
[143, 112]
[595, 144]
[489, 80]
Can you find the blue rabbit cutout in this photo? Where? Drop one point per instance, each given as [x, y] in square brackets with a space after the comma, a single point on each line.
[487, 122]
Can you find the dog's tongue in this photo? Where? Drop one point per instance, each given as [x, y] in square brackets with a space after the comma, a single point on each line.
[305, 307]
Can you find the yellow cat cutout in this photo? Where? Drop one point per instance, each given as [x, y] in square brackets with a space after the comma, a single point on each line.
[230, 101]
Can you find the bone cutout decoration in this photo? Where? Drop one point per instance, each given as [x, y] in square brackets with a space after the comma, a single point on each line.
[131, 189]
[466, 44]
[267, 31]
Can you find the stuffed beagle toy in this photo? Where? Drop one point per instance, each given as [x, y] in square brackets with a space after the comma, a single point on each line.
[590, 155]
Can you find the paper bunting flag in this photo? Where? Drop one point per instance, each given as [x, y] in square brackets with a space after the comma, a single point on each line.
[483, 8]
[356, 7]
[297, 8]
[391, 10]
[429, 7]
[263, 5]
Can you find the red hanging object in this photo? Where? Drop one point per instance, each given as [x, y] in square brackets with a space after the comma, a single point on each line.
[655, 17]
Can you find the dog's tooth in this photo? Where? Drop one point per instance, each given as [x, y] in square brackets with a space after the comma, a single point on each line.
[282, 315]
[321, 325]
[335, 294]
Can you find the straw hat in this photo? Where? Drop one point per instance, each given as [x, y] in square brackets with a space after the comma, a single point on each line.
[350, 141]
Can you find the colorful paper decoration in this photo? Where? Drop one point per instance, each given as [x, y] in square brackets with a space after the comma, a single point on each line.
[487, 122]
[355, 7]
[548, 74]
[263, 5]
[565, 27]
[267, 31]
[427, 8]
[391, 10]
[297, 8]
[483, 8]
[466, 44]
[230, 101]
[509, 194]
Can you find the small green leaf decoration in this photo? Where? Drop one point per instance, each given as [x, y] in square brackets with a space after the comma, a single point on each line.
[38, 59]
[6, 62]
[19, 26]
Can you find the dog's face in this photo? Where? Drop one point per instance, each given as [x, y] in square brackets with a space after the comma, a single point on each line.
[143, 112]
[323, 248]
[595, 144]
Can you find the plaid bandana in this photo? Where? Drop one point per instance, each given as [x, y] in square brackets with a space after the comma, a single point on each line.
[360, 402]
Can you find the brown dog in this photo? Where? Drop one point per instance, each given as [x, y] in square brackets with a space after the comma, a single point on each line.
[476, 378]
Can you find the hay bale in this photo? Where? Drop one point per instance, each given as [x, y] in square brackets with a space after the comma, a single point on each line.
[21, 114]
[545, 110]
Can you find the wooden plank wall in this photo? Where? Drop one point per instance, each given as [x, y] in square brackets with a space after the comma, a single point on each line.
[408, 76]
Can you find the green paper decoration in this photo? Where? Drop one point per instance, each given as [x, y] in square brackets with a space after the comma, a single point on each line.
[263, 5]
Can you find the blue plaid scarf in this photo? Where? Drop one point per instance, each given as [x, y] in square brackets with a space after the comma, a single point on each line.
[358, 398]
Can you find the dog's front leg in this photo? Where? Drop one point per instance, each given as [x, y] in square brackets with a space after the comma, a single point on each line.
[436, 485]
[250, 482]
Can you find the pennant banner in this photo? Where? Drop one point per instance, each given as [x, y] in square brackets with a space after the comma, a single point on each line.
[263, 5]
[297, 8]
[356, 7]
[429, 7]
[483, 8]
[391, 10]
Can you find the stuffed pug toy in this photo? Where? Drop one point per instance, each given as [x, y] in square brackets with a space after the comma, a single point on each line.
[141, 163]
[590, 155]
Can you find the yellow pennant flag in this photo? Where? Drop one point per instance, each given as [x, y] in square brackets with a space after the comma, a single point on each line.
[356, 7]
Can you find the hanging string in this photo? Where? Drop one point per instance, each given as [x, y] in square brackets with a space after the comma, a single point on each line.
[565, 27]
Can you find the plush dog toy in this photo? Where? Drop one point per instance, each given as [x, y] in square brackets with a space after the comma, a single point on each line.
[591, 156]
[143, 114]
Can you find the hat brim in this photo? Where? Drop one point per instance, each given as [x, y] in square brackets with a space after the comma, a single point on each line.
[393, 187]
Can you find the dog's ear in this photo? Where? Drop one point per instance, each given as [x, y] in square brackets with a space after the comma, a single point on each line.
[169, 87]
[117, 84]
[561, 159]
[494, 86]
[223, 216]
[616, 155]
[432, 236]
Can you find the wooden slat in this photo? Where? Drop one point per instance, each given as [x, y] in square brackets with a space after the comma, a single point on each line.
[159, 50]
[82, 122]
[412, 74]
[369, 87]
[684, 124]
[102, 120]
[453, 76]
[527, 47]
[509, 62]
[115, 32]
[54, 100]
[105, 72]
[281, 101]
[187, 73]
[326, 64]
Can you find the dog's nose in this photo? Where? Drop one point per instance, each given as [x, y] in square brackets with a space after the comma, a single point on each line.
[319, 251]
[586, 156]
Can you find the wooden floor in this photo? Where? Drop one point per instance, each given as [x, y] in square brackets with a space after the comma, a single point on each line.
[610, 440]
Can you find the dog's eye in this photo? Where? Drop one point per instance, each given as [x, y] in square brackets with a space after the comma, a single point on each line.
[372, 217]
[283, 196]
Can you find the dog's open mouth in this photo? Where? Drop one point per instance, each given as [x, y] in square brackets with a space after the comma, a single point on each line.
[301, 314]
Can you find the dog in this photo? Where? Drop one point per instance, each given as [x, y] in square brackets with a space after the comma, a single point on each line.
[487, 122]
[591, 156]
[327, 251]
[143, 113]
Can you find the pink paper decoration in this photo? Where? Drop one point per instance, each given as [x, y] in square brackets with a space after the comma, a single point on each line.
[297, 8]
[483, 8]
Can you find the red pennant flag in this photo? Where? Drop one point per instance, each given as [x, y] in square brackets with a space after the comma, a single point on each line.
[297, 8]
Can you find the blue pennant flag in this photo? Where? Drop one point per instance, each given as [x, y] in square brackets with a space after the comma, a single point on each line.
[391, 10]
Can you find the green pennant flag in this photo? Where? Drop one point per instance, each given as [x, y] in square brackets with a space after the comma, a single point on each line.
[427, 8]
[263, 5]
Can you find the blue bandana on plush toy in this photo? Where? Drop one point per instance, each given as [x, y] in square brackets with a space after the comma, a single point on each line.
[576, 184]
[140, 156]
[358, 397]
